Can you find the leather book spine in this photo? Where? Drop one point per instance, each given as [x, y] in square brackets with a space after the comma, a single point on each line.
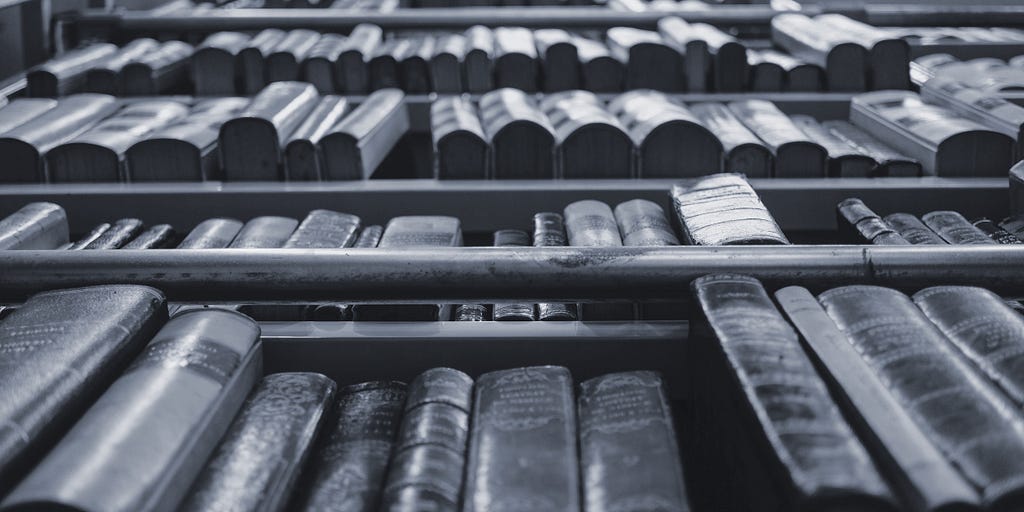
[264, 233]
[105, 79]
[218, 52]
[22, 110]
[591, 142]
[65, 74]
[521, 137]
[861, 223]
[643, 223]
[446, 64]
[352, 68]
[319, 64]
[35, 226]
[302, 158]
[515, 59]
[912, 229]
[359, 143]
[590, 223]
[890, 162]
[522, 448]
[89, 237]
[212, 234]
[283, 62]
[161, 71]
[119, 234]
[461, 150]
[369, 237]
[628, 450]
[743, 151]
[470, 313]
[549, 231]
[996, 233]
[723, 209]
[796, 154]
[324, 229]
[955, 229]
[511, 311]
[250, 60]
[156, 237]
[479, 60]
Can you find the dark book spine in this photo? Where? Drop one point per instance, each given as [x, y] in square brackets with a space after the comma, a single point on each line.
[35, 226]
[549, 231]
[89, 237]
[119, 234]
[628, 451]
[156, 237]
[212, 234]
[912, 229]
[856, 217]
[470, 313]
[264, 233]
[359, 143]
[955, 229]
[512, 311]
[643, 222]
[996, 233]
[369, 237]
[590, 223]
[522, 449]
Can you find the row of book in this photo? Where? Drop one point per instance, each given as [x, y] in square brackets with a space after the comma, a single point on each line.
[861, 224]
[924, 36]
[988, 75]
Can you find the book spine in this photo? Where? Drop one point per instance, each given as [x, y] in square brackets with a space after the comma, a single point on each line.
[324, 229]
[723, 209]
[35, 226]
[549, 231]
[912, 229]
[264, 233]
[212, 234]
[369, 237]
[955, 229]
[996, 233]
[120, 233]
[470, 313]
[156, 237]
[855, 217]
[512, 311]
[643, 223]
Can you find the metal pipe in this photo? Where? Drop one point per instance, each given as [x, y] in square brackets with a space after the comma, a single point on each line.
[488, 274]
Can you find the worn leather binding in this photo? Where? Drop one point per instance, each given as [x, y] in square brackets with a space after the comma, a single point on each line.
[515, 59]
[318, 65]
[985, 107]
[282, 64]
[250, 60]
[59, 351]
[184, 150]
[383, 64]
[212, 234]
[728, 57]
[140, 446]
[348, 468]
[600, 70]
[722, 209]
[590, 223]
[160, 71]
[643, 223]
[65, 74]
[23, 110]
[512, 311]
[324, 229]
[35, 226]
[461, 150]
[211, 60]
[22, 148]
[844, 159]
[889, 161]
[888, 56]
[470, 313]
[559, 58]
[800, 75]
[369, 237]
[522, 450]
[156, 237]
[250, 144]
[763, 415]
[912, 229]
[357, 145]
[591, 142]
[302, 157]
[743, 152]
[120, 233]
[105, 78]
[258, 463]
[859, 223]
[628, 453]
[91, 236]
[996, 233]
[955, 229]
[976, 427]
[98, 155]
[352, 71]
[521, 137]
[650, 63]
[671, 142]
[766, 72]
[479, 60]
[446, 63]
[844, 61]
[697, 60]
[796, 155]
[920, 475]
[264, 233]
[549, 231]
[414, 64]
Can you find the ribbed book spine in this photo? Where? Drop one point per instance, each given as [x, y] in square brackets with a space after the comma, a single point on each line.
[549, 231]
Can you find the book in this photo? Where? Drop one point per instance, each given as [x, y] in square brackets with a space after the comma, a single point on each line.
[512, 311]
[955, 229]
[650, 63]
[761, 403]
[889, 162]
[461, 151]
[522, 139]
[212, 234]
[975, 426]
[186, 149]
[283, 61]
[470, 313]
[728, 58]
[303, 160]
[796, 155]
[845, 62]
[600, 70]
[766, 73]
[22, 110]
[258, 463]
[996, 233]
[888, 56]
[369, 237]
[414, 64]
[515, 59]
[946, 144]
[90, 237]
[319, 63]
[65, 74]
[643, 223]
[590, 223]
[861, 224]
[522, 448]
[22, 148]
[671, 141]
[324, 229]
[217, 53]
[912, 229]
[117, 235]
[559, 58]
[383, 65]
[59, 351]
[36, 225]
[479, 59]
[743, 152]
[986, 108]
[106, 77]
[446, 63]
[147, 437]
[549, 231]
[844, 159]
[98, 154]
[250, 60]
[156, 237]
[355, 147]
[628, 452]
[250, 144]
[697, 60]
[920, 475]
[590, 141]
[352, 70]
[349, 467]
[801, 76]
[723, 209]
[161, 71]
[267, 232]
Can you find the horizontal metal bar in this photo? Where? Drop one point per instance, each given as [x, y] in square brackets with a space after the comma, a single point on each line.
[488, 274]
[975, 14]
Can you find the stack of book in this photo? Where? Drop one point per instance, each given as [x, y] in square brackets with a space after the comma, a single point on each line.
[858, 223]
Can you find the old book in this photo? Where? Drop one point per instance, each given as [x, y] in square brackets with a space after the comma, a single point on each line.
[349, 467]
[844, 159]
[461, 151]
[522, 450]
[844, 61]
[65, 74]
[186, 149]
[522, 139]
[383, 65]
[161, 71]
[650, 63]
[352, 70]
[264, 233]
[600, 70]
[591, 142]
[559, 57]
[282, 63]
[303, 160]
[743, 152]
[22, 148]
[515, 59]
[479, 60]
[258, 463]
[643, 223]
[512, 311]
[250, 144]
[975, 426]
[955, 229]
[117, 235]
[983, 107]
[105, 78]
[35, 226]
[212, 234]
[319, 63]
[628, 451]
[796, 155]
[89, 237]
[766, 74]
[889, 161]
[156, 237]
[446, 63]
[211, 61]
[590, 223]
[549, 231]
[430, 452]
[763, 414]
[147, 437]
[22, 110]
[728, 58]
[251, 60]
[996, 233]
[60, 350]
[98, 155]
[324, 229]
[888, 56]
[686, 40]
[800, 75]
[470, 313]
[369, 237]
[919, 473]
[912, 229]
[860, 224]
[414, 64]
[355, 147]
[723, 209]
[671, 141]
[945, 143]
